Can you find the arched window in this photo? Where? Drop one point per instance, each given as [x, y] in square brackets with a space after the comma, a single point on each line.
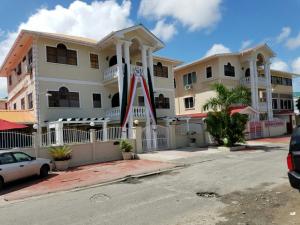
[63, 98]
[247, 72]
[113, 61]
[160, 70]
[115, 101]
[60, 54]
[161, 102]
[229, 70]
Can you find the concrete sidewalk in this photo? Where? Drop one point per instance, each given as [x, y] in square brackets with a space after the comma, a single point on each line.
[82, 177]
[271, 140]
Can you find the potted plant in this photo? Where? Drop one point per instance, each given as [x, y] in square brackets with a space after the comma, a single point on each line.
[61, 156]
[126, 148]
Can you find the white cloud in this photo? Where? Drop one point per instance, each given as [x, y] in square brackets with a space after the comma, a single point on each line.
[164, 31]
[279, 64]
[296, 65]
[293, 43]
[285, 33]
[246, 44]
[196, 15]
[217, 49]
[93, 20]
[3, 91]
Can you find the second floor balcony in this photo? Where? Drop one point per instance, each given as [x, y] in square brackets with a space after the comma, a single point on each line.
[261, 81]
[112, 72]
[139, 112]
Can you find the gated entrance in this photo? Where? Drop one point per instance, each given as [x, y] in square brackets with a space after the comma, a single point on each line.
[157, 140]
[256, 129]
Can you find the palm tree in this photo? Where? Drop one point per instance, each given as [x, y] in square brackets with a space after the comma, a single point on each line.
[226, 98]
[226, 128]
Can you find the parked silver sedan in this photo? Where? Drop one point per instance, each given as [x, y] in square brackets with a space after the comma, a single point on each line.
[15, 165]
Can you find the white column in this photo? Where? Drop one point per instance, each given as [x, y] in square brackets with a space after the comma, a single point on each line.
[253, 83]
[127, 61]
[104, 129]
[59, 134]
[269, 89]
[120, 78]
[148, 125]
[120, 68]
[150, 65]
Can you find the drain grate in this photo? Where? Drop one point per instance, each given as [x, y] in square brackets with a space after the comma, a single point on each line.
[205, 194]
[100, 197]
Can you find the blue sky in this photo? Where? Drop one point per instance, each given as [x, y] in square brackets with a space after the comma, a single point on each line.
[189, 28]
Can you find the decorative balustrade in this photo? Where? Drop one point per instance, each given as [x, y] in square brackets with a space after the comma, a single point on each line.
[263, 106]
[138, 112]
[113, 71]
[262, 81]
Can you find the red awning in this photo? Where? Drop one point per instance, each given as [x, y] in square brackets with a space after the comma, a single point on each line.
[6, 125]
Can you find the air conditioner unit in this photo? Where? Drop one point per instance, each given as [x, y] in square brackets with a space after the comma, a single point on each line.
[188, 87]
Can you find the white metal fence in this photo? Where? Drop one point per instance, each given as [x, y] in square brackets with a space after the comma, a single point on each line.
[114, 133]
[73, 136]
[10, 140]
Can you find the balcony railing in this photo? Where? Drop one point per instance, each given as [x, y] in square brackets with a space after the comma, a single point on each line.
[114, 113]
[113, 71]
[261, 81]
[263, 106]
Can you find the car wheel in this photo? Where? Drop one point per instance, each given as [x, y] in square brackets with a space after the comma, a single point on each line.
[44, 171]
[1, 183]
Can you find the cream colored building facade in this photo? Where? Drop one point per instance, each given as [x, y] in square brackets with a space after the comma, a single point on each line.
[271, 91]
[62, 77]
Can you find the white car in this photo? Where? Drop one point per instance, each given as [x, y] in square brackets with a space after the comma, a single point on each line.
[15, 165]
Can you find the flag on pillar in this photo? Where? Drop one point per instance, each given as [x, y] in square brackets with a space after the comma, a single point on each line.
[124, 95]
[151, 93]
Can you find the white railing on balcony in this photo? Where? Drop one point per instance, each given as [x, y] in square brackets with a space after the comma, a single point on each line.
[111, 73]
[114, 113]
[262, 81]
[245, 81]
[139, 111]
[263, 106]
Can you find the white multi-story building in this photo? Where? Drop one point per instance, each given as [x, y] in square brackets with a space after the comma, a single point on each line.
[73, 81]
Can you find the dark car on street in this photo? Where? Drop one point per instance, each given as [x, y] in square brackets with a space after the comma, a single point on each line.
[293, 159]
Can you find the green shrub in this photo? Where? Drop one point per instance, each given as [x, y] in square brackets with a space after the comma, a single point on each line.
[60, 153]
[125, 146]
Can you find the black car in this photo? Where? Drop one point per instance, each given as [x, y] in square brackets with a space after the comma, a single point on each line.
[293, 159]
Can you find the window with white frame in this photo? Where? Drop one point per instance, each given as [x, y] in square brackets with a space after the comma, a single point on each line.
[189, 102]
[189, 78]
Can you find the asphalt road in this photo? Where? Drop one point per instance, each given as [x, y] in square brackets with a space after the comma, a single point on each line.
[172, 198]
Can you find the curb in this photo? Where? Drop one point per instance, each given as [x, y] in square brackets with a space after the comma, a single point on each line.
[4, 201]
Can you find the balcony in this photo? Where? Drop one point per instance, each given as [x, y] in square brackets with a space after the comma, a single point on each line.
[263, 106]
[261, 81]
[139, 112]
[112, 72]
